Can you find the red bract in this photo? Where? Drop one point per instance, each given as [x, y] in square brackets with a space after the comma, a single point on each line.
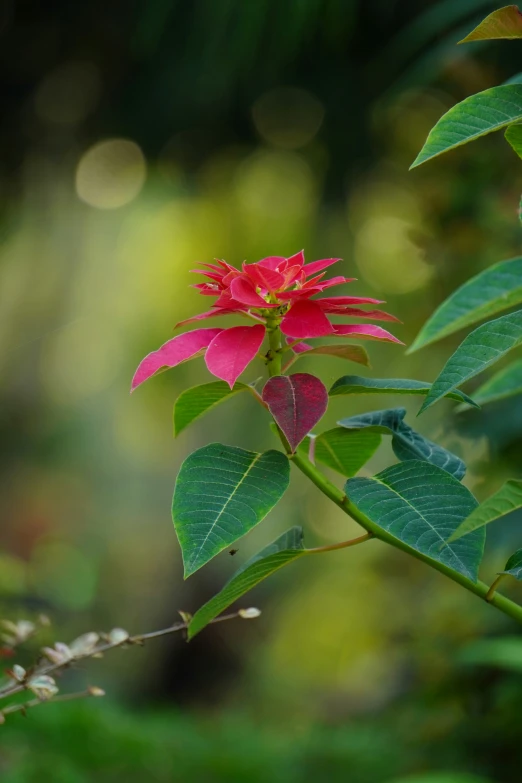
[275, 292]
[297, 402]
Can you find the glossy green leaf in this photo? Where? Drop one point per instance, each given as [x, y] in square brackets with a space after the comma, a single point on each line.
[355, 384]
[352, 353]
[513, 136]
[406, 442]
[513, 566]
[507, 499]
[421, 505]
[472, 118]
[221, 493]
[505, 383]
[194, 403]
[279, 553]
[490, 292]
[346, 451]
[482, 348]
[505, 22]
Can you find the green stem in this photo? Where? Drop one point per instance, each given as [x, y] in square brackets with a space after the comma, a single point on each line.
[494, 585]
[341, 544]
[480, 589]
[274, 353]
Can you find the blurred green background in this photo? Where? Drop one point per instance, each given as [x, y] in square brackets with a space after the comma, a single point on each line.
[136, 140]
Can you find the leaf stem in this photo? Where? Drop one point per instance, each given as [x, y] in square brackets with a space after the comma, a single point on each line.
[274, 355]
[494, 585]
[479, 589]
[342, 544]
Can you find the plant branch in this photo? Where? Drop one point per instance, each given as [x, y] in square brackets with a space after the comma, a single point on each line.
[43, 668]
[479, 589]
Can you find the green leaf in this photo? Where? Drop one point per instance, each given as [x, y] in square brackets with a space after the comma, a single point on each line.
[221, 493]
[507, 499]
[505, 22]
[406, 443]
[421, 505]
[482, 348]
[355, 384]
[346, 451]
[490, 292]
[352, 353]
[505, 383]
[473, 117]
[195, 402]
[279, 553]
[513, 136]
[513, 566]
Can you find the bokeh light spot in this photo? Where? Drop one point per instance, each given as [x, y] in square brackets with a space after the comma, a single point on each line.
[68, 94]
[111, 174]
[388, 258]
[288, 117]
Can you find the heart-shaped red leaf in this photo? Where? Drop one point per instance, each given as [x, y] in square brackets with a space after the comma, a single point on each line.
[297, 402]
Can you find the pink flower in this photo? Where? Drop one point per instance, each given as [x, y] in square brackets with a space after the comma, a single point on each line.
[277, 290]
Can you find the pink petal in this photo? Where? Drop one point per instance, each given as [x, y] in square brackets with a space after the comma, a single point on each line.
[306, 319]
[301, 347]
[207, 289]
[356, 312]
[297, 402]
[291, 274]
[211, 275]
[173, 352]
[347, 300]
[232, 350]
[365, 332]
[244, 291]
[317, 266]
[297, 259]
[272, 262]
[336, 281]
[264, 277]
[226, 301]
[210, 314]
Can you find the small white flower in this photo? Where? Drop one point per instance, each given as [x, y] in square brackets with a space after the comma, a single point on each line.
[249, 614]
[18, 673]
[17, 632]
[59, 654]
[118, 636]
[84, 645]
[43, 686]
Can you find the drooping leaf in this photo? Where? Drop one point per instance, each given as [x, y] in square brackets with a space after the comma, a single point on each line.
[406, 442]
[221, 493]
[353, 353]
[279, 553]
[505, 22]
[513, 136]
[355, 384]
[507, 499]
[513, 566]
[421, 505]
[173, 352]
[193, 403]
[473, 117]
[505, 383]
[482, 348]
[346, 451]
[232, 350]
[490, 292]
[297, 402]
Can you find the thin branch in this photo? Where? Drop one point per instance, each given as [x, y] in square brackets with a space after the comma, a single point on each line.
[12, 687]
